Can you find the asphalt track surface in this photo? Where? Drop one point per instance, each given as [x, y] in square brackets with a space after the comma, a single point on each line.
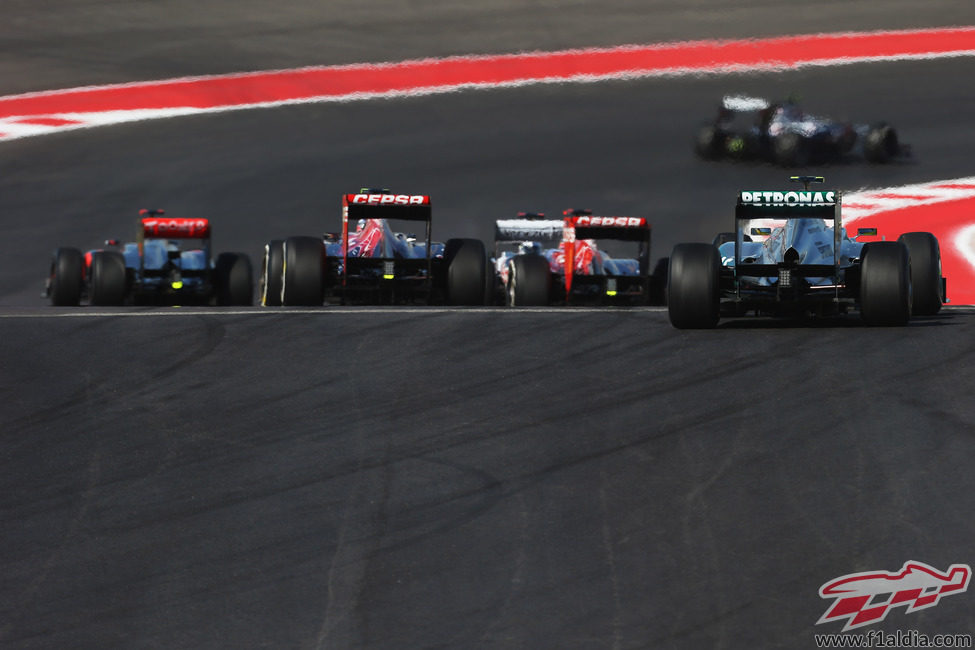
[439, 478]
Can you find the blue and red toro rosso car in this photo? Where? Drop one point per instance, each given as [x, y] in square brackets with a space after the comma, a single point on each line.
[170, 262]
[369, 262]
[541, 261]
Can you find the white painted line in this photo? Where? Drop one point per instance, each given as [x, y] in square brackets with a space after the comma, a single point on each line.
[331, 311]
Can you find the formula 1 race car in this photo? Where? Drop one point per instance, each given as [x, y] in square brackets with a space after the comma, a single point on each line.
[153, 269]
[370, 263]
[541, 261]
[791, 256]
[780, 132]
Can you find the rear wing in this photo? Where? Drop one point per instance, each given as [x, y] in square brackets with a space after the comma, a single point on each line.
[619, 228]
[586, 226]
[743, 103]
[385, 205]
[408, 207]
[160, 227]
[155, 225]
[526, 229]
[785, 205]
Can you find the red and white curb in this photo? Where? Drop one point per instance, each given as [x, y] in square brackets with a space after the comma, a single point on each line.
[47, 112]
[945, 208]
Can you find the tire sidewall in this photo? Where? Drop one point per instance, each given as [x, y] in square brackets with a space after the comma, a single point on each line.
[108, 279]
[885, 284]
[272, 269]
[465, 262]
[67, 277]
[303, 272]
[693, 288]
[925, 255]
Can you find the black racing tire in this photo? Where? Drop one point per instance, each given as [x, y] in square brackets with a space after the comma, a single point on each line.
[694, 286]
[885, 283]
[658, 282]
[926, 298]
[791, 150]
[272, 270]
[529, 281]
[880, 144]
[465, 265]
[234, 279]
[304, 272]
[67, 276]
[490, 283]
[710, 142]
[108, 282]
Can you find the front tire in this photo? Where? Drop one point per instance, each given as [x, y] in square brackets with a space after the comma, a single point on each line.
[529, 281]
[67, 271]
[693, 287]
[272, 270]
[466, 265]
[107, 279]
[926, 298]
[304, 271]
[881, 144]
[885, 283]
[791, 150]
[710, 143]
[235, 282]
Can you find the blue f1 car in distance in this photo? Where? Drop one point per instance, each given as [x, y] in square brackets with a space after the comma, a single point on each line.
[781, 132]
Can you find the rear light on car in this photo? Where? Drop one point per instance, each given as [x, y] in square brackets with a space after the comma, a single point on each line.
[388, 271]
[785, 278]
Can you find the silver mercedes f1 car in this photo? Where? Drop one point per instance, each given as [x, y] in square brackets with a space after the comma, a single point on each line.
[790, 255]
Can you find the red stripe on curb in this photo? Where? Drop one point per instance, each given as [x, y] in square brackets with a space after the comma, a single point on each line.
[46, 121]
[349, 81]
[944, 220]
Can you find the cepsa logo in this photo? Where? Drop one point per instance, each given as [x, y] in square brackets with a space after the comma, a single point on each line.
[175, 227]
[390, 199]
[866, 598]
[625, 222]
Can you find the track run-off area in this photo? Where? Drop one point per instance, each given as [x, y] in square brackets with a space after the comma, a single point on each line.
[420, 477]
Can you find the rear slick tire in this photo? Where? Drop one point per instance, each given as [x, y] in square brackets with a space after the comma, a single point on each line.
[235, 282]
[529, 281]
[67, 271]
[303, 273]
[885, 284]
[466, 266]
[693, 287]
[926, 298]
[107, 287]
